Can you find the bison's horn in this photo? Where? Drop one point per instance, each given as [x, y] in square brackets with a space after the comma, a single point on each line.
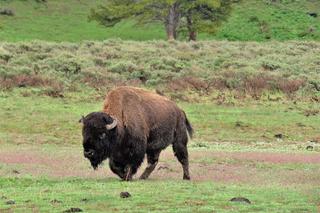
[81, 119]
[112, 125]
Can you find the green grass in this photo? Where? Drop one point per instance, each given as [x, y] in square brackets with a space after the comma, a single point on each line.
[47, 128]
[252, 122]
[224, 120]
[251, 20]
[60, 20]
[39, 120]
[33, 194]
[285, 20]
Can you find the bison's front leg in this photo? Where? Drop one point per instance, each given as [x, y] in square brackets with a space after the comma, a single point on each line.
[117, 168]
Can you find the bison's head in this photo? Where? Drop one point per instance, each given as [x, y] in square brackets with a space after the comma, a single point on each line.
[99, 134]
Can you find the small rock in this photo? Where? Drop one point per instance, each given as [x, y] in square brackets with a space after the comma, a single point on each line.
[313, 14]
[125, 194]
[279, 136]
[315, 140]
[73, 210]
[241, 199]
[309, 148]
[10, 202]
[241, 124]
[54, 201]
[15, 171]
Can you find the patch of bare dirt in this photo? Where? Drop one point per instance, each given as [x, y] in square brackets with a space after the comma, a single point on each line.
[262, 156]
[227, 167]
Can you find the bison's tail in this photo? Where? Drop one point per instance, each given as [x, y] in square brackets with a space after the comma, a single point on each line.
[189, 128]
[188, 125]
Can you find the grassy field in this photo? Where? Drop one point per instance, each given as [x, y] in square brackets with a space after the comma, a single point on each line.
[90, 195]
[255, 108]
[59, 20]
[282, 20]
[234, 153]
[49, 120]
[65, 21]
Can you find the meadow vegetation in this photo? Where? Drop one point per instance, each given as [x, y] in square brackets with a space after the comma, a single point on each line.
[209, 70]
[255, 108]
[230, 91]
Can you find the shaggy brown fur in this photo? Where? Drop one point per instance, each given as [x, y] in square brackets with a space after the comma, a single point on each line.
[146, 124]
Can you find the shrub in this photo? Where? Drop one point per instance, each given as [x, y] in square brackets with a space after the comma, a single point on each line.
[201, 67]
[23, 80]
[256, 84]
[185, 83]
[5, 55]
[123, 67]
[290, 86]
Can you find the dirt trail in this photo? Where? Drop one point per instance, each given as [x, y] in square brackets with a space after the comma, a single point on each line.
[227, 167]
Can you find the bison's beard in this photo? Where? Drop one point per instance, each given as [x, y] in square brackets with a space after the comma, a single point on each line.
[95, 164]
[97, 159]
[101, 152]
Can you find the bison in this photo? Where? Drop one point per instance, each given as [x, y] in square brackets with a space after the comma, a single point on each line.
[134, 123]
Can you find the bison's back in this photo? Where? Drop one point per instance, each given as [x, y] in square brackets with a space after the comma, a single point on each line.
[141, 111]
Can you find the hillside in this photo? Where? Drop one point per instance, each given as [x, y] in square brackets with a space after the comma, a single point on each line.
[239, 70]
[251, 20]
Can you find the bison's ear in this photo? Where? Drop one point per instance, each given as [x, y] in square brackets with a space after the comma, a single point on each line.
[112, 125]
[81, 119]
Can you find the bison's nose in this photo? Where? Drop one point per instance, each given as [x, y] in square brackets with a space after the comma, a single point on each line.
[89, 154]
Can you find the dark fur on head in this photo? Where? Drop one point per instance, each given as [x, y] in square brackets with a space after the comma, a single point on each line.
[97, 139]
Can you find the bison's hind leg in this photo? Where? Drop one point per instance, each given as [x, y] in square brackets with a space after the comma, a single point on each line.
[181, 152]
[152, 157]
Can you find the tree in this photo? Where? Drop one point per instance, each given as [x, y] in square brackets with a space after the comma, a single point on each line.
[204, 15]
[177, 15]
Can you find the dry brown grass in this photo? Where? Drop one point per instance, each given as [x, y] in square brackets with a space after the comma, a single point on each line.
[290, 86]
[24, 80]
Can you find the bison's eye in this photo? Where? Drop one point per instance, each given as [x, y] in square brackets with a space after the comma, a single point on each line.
[102, 136]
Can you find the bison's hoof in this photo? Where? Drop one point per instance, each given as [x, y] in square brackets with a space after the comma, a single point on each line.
[127, 179]
[142, 177]
[186, 177]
